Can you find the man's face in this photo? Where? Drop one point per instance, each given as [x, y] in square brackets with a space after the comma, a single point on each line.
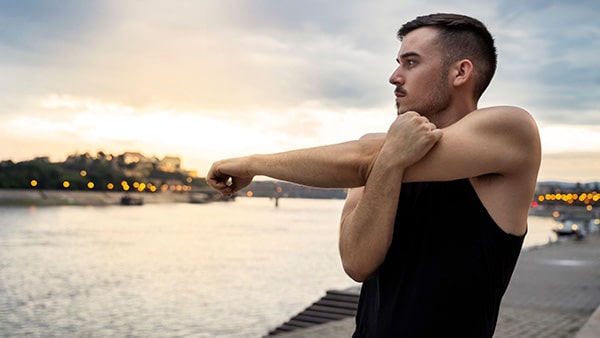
[421, 81]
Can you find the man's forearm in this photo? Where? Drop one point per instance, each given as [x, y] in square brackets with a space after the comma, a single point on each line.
[341, 165]
[333, 166]
[367, 228]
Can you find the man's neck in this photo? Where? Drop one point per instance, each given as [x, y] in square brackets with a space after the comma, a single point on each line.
[451, 115]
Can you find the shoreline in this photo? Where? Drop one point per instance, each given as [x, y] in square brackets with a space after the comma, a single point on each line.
[38, 197]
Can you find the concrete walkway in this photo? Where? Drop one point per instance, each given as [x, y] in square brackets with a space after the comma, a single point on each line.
[553, 293]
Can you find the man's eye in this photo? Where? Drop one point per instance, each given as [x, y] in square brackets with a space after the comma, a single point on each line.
[411, 62]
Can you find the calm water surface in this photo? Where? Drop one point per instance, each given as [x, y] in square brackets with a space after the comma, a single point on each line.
[212, 270]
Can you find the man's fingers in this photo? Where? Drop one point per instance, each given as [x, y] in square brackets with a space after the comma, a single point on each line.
[437, 133]
[219, 183]
[228, 176]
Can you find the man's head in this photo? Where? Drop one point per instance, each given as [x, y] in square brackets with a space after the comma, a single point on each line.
[461, 37]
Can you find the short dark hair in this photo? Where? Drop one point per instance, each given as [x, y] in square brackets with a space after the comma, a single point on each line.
[462, 37]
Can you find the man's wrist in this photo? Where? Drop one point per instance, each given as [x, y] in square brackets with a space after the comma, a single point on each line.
[253, 164]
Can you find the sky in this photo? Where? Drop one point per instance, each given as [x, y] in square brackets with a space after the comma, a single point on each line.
[206, 80]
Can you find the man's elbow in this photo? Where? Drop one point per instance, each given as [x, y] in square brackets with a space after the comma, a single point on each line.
[370, 145]
[355, 272]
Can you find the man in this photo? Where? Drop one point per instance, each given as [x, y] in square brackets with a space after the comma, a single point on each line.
[436, 219]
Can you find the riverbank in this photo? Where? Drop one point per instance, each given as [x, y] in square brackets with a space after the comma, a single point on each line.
[26, 197]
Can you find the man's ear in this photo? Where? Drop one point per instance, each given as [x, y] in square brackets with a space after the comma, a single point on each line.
[463, 72]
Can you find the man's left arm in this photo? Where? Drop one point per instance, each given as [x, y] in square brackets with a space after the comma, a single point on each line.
[342, 165]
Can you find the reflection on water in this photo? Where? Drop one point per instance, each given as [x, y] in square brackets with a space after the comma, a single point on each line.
[203, 270]
[222, 269]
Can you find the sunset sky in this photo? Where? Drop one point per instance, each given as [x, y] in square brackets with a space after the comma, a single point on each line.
[206, 80]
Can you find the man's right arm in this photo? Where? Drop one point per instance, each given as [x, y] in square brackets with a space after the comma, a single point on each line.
[367, 222]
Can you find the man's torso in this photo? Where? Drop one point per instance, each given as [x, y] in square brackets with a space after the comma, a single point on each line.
[446, 270]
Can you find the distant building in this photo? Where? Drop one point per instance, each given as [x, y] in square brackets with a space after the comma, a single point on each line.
[170, 164]
[132, 158]
[134, 164]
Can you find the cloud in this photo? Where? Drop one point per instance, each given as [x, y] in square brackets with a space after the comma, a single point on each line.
[570, 166]
[33, 30]
[269, 55]
[226, 55]
[278, 75]
[549, 50]
[558, 138]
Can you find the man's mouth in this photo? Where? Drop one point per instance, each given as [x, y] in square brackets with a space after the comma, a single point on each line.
[399, 92]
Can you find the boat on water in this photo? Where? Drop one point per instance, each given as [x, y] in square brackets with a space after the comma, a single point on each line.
[199, 198]
[569, 228]
[130, 200]
[202, 197]
[577, 227]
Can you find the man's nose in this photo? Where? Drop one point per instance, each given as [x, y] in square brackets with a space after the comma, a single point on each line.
[396, 78]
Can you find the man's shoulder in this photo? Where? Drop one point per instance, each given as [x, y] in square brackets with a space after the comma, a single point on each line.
[508, 134]
[501, 112]
[509, 120]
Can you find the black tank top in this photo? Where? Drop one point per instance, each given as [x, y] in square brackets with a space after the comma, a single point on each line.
[446, 270]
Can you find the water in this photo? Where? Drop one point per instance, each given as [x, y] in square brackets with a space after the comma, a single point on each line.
[210, 270]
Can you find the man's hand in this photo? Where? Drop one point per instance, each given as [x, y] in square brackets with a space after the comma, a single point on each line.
[409, 138]
[229, 176]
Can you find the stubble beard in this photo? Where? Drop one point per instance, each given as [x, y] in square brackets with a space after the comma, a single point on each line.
[438, 101]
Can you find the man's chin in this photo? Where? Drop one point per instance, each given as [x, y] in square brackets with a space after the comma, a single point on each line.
[402, 110]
